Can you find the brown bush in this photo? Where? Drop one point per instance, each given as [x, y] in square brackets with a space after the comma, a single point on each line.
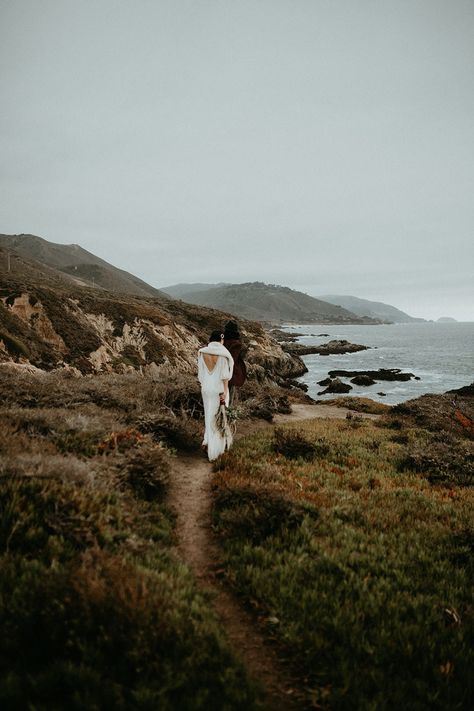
[262, 402]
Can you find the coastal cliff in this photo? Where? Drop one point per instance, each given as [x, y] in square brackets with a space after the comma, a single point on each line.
[48, 322]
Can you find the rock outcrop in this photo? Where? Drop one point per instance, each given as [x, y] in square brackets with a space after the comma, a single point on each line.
[381, 374]
[336, 386]
[99, 333]
[330, 348]
[363, 380]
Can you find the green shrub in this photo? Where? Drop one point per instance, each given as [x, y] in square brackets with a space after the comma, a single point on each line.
[358, 404]
[51, 519]
[96, 612]
[178, 432]
[293, 445]
[262, 402]
[148, 472]
[102, 634]
[248, 515]
[441, 461]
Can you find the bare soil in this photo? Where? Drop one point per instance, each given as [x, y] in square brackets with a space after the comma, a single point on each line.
[191, 498]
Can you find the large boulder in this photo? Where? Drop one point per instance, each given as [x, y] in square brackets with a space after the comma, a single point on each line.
[363, 380]
[336, 386]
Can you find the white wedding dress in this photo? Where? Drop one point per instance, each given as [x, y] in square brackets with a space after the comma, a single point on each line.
[211, 386]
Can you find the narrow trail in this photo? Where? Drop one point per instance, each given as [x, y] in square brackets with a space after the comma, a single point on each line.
[191, 498]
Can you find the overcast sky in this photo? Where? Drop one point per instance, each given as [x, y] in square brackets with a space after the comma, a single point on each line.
[326, 145]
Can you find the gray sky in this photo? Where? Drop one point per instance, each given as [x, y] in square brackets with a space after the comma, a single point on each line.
[325, 145]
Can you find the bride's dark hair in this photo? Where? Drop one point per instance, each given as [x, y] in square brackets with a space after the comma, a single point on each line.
[215, 336]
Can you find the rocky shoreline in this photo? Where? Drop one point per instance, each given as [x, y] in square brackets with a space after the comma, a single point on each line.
[334, 347]
[288, 341]
[334, 384]
[292, 336]
[380, 374]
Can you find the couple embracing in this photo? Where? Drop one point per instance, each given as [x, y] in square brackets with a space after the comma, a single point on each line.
[221, 369]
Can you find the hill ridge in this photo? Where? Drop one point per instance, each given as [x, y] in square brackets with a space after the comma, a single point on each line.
[49, 322]
[374, 309]
[78, 264]
[271, 303]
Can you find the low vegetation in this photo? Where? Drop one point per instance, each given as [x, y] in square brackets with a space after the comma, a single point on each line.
[352, 539]
[358, 404]
[357, 559]
[96, 610]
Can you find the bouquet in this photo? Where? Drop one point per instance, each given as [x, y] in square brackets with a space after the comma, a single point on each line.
[232, 414]
[223, 426]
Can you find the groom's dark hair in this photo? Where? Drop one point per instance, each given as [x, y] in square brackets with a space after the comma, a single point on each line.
[215, 336]
[231, 330]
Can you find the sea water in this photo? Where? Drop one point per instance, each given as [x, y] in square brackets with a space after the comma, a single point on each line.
[440, 354]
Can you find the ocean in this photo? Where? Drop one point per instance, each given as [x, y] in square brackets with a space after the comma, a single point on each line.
[440, 354]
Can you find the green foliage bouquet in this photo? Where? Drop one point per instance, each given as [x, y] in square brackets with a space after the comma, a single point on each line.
[225, 422]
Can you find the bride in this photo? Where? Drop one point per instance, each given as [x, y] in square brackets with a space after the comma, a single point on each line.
[215, 366]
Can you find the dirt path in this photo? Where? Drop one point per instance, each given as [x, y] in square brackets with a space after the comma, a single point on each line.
[190, 496]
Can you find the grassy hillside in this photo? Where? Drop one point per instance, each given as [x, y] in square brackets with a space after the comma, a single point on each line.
[178, 291]
[270, 303]
[354, 541]
[81, 266]
[96, 610]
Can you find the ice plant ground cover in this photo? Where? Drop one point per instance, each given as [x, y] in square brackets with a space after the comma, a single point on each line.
[354, 542]
[363, 567]
[95, 610]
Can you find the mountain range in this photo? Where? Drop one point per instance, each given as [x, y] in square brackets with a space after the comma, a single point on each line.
[267, 302]
[373, 309]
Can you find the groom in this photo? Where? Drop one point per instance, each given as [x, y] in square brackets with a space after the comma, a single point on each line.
[233, 344]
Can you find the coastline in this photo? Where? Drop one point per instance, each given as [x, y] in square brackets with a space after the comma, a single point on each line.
[440, 354]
